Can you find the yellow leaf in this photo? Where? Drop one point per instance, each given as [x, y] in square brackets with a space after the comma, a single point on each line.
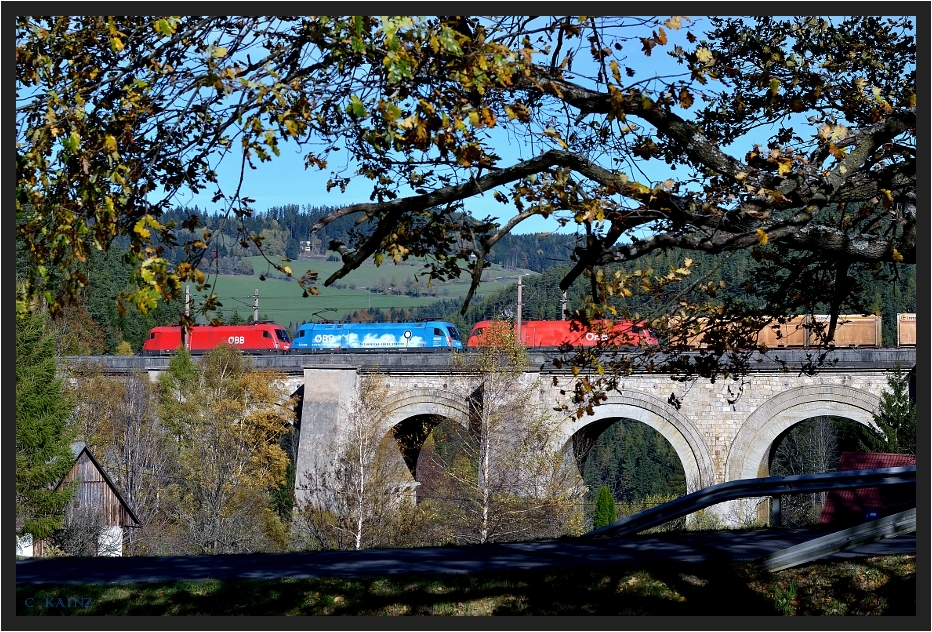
[220, 51]
[110, 143]
[762, 237]
[116, 43]
[704, 55]
[616, 73]
[673, 23]
[141, 230]
[887, 198]
[897, 256]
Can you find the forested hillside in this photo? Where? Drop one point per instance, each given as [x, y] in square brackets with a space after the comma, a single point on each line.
[285, 232]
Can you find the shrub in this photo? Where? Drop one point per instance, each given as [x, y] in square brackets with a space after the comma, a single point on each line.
[124, 349]
[604, 508]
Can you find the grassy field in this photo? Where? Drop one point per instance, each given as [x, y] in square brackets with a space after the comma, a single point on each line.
[280, 298]
[883, 585]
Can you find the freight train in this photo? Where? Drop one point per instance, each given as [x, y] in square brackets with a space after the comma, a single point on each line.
[269, 338]
[259, 338]
[558, 333]
[340, 337]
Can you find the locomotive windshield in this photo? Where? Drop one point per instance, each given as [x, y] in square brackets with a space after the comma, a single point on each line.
[282, 335]
[454, 333]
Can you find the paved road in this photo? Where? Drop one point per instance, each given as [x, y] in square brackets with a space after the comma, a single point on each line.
[690, 547]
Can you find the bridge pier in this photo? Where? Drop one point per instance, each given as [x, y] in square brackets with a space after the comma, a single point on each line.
[326, 392]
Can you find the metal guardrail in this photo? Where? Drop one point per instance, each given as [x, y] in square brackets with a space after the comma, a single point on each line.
[852, 537]
[755, 488]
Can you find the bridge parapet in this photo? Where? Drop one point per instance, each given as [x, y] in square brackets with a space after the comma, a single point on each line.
[790, 360]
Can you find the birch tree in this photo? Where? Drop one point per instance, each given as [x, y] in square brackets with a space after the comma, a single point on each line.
[501, 478]
[355, 498]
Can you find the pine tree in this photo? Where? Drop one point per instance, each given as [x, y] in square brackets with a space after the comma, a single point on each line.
[604, 508]
[43, 453]
[895, 420]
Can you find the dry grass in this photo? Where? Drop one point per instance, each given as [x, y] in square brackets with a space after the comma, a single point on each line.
[874, 586]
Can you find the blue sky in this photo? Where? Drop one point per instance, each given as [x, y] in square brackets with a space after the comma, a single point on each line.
[284, 180]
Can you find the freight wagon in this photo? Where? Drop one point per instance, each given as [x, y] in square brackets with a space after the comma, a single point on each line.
[905, 330]
[421, 336]
[852, 330]
[260, 338]
[556, 333]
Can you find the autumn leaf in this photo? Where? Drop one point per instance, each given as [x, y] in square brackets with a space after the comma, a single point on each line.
[886, 197]
[686, 99]
[616, 72]
[762, 237]
[704, 55]
[784, 166]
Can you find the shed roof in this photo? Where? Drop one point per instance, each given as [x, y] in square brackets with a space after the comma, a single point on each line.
[853, 506]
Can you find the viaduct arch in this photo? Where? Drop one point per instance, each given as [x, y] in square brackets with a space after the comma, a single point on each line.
[750, 450]
[685, 438]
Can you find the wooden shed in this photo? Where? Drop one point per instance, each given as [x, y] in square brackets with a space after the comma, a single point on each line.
[96, 494]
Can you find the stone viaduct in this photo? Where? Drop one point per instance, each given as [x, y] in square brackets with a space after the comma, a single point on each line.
[722, 431]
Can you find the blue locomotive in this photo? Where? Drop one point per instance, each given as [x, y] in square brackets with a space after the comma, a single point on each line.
[423, 336]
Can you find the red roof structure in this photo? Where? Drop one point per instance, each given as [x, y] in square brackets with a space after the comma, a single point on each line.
[848, 507]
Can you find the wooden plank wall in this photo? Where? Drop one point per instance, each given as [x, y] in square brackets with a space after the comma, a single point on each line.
[94, 491]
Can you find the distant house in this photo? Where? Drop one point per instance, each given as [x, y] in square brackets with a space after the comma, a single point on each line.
[97, 505]
[848, 507]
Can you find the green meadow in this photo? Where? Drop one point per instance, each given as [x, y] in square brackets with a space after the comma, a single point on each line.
[280, 298]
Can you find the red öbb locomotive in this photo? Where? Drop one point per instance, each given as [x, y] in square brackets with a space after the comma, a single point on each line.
[555, 333]
[261, 338]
